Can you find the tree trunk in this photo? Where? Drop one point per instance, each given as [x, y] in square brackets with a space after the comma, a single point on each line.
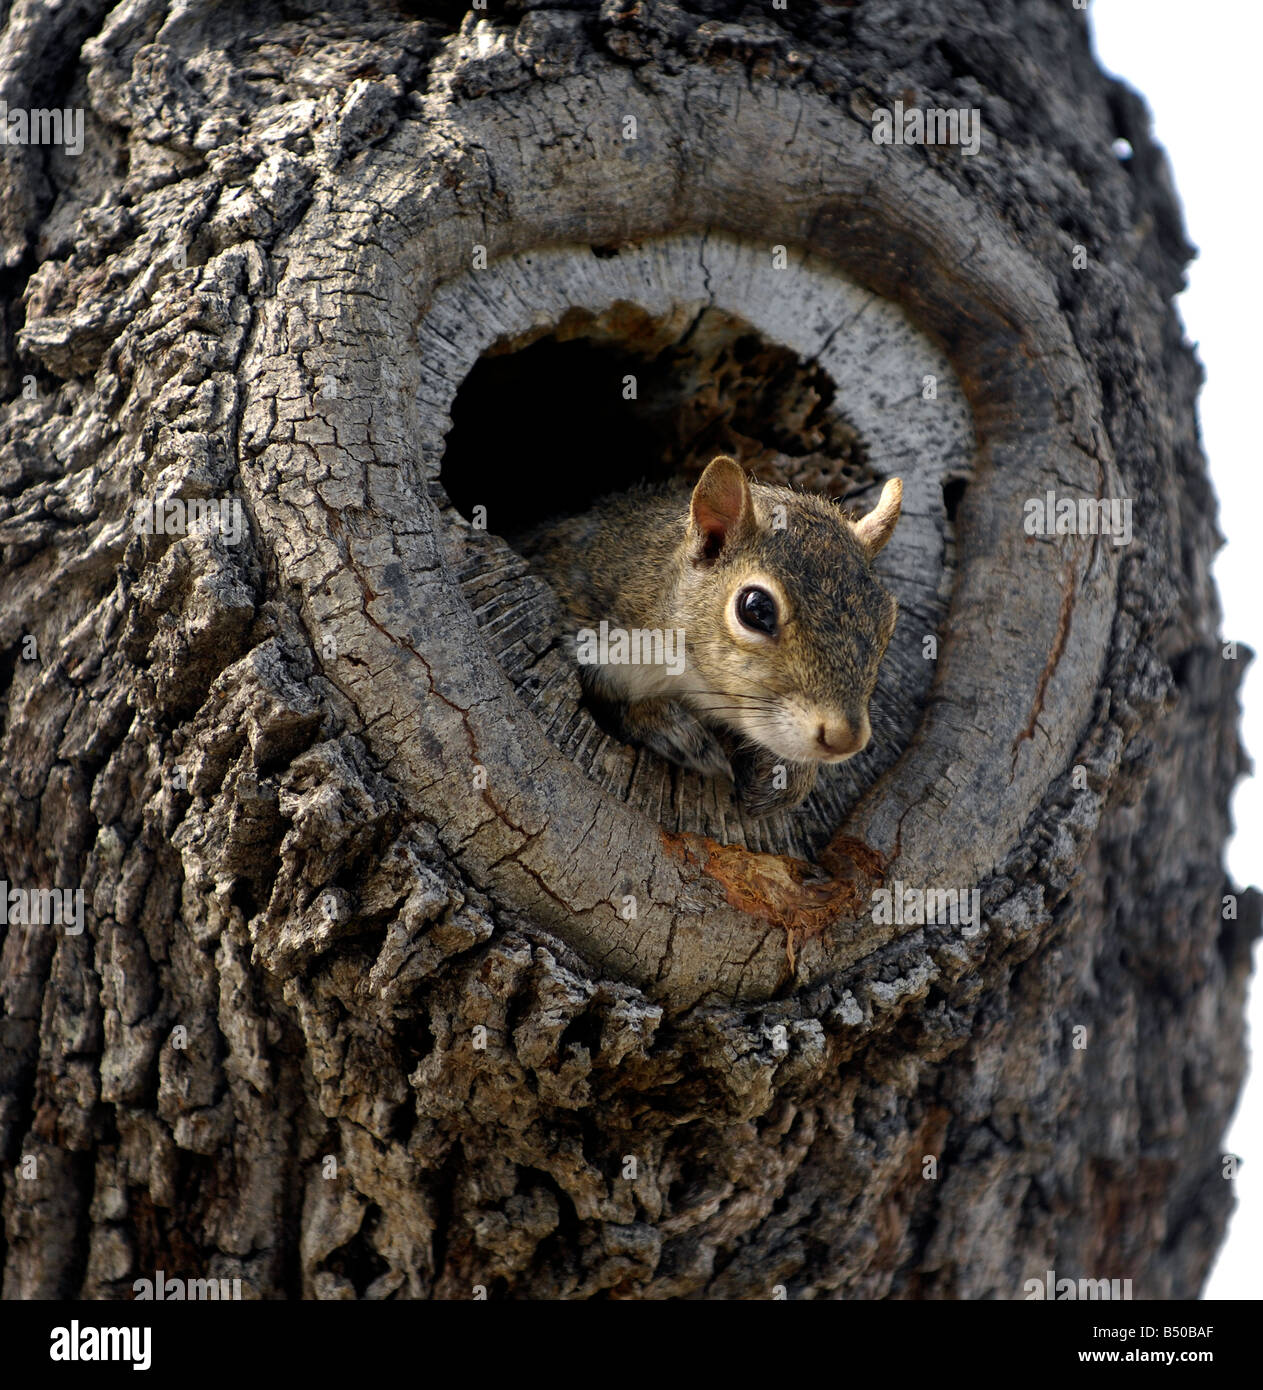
[399, 976]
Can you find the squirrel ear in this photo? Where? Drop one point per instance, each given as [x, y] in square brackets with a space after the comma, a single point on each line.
[721, 506]
[875, 529]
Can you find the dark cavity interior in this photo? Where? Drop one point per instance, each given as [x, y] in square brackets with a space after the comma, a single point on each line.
[547, 422]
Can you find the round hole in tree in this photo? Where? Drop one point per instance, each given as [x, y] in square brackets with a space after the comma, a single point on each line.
[550, 419]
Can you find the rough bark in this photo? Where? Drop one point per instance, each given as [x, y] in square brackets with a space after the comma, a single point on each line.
[361, 1008]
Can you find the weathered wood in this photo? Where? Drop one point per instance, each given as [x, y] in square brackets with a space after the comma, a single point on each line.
[331, 792]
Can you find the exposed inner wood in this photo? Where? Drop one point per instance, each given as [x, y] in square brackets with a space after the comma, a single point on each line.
[780, 387]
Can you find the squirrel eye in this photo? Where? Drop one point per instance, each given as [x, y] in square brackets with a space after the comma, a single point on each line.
[757, 610]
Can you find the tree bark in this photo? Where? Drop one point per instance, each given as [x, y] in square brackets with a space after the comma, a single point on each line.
[399, 976]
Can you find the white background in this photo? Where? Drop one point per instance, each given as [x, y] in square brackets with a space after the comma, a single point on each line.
[1195, 65]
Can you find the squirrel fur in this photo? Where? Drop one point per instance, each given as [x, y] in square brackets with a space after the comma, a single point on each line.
[784, 624]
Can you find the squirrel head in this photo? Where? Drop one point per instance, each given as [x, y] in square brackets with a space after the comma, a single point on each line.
[784, 621]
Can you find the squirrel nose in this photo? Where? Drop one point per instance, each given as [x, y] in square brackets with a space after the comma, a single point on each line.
[840, 738]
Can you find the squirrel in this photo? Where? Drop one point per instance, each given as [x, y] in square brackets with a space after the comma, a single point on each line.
[737, 631]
